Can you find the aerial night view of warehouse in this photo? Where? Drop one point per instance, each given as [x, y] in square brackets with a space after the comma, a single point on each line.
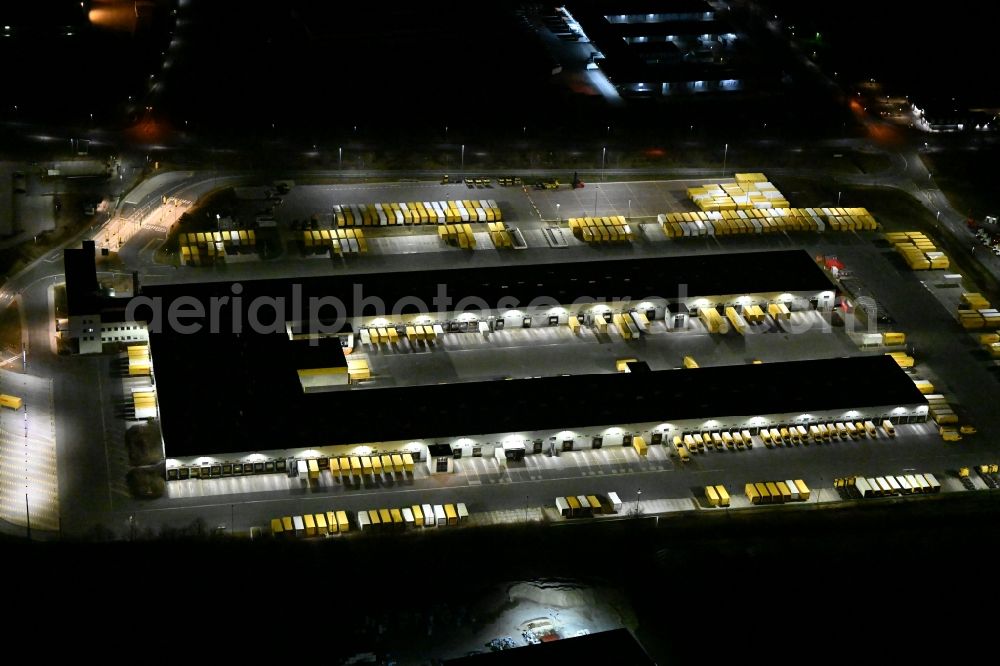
[599, 319]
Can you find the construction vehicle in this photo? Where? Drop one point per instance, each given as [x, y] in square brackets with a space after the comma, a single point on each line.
[551, 184]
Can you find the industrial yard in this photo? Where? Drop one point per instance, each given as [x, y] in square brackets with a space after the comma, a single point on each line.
[862, 300]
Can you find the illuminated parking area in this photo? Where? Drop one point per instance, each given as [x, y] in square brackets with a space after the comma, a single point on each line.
[29, 486]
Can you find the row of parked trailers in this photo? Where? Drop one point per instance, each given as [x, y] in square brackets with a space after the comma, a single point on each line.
[613, 229]
[580, 506]
[887, 486]
[460, 235]
[717, 495]
[390, 334]
[748, 192]
[918, 251]
[698, 442]
[311, 524]
[223, 469]
[777, 492]
[338, 241]
[974, 311]
[209, 247]
[417, 212]
[417, 515]
[139, 361]
[356, 467]
[773, 220]
[940, 410]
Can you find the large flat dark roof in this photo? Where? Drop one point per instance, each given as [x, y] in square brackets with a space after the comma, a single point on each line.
[617, 646]
[228, 394]
[565, 282]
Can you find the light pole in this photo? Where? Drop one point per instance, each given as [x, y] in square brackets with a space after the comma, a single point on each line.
[604, 155]
[725, 156]
[463, 159]
[340, 157]
[638, 494]
[558, 214]
[838, 199]
[629, 218]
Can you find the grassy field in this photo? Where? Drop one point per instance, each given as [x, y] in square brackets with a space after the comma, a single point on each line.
[969, 179]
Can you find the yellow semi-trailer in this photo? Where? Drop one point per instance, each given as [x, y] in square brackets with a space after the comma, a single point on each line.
[712, 496]
[418, 515]
[385, 517]
[723, 495]
[310, 524]
[752, 493]
[321, 525]
[331, 522]
[734, 317]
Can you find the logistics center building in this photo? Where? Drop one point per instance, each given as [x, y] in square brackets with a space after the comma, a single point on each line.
[240, 402]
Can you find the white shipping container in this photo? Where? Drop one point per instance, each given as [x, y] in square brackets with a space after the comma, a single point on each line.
[428, 512]
[439, 515]
[933, 483]
[408, 516]
[616, 504]
[862, 485]
[363, 520]
[562, 506]
[463, 512]
[794, 489]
